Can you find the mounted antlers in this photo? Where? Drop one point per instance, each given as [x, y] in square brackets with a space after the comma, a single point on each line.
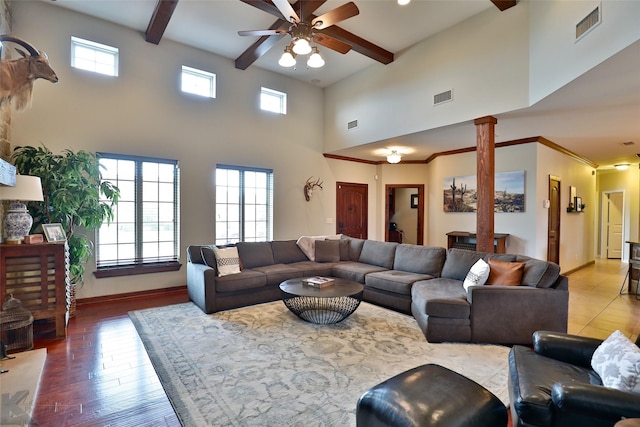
[16, 77]
[308, 187]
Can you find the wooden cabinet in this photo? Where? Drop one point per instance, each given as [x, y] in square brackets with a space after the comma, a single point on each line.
[466, 240]
[37, 276]
[634, 268]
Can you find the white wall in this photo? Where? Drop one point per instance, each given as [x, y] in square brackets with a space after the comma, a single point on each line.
[142, 112]
[556, 58]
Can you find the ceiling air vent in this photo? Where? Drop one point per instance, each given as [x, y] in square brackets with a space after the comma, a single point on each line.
[352, 124]
[443, 97]
[588, 22]
[628, 143]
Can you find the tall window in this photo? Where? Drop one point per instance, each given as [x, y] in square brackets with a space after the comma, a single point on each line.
[272, 100]
[244, 204]
[92, 56]
[198, 82]
[145, 230]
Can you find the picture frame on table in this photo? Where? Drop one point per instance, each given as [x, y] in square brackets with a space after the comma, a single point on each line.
[54, 232]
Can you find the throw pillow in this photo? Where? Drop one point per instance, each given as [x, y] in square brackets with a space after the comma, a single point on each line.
[505, 273]
[617, 361]
[307, 244]
[227, 261]
[477, 275]
[208, 256]
[327, 250]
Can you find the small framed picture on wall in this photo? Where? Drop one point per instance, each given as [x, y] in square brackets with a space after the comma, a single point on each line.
[414, 201]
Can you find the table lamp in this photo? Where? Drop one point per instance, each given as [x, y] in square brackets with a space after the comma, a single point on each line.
[17, 222]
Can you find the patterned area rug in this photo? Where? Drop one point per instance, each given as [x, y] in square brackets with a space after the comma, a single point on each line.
[263, 366]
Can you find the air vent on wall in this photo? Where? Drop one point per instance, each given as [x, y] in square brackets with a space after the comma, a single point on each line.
[628, 143]
[589, 22]
[352, 124]
[443, 97]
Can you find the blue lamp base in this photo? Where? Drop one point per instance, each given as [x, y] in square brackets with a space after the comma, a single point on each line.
[17, 223]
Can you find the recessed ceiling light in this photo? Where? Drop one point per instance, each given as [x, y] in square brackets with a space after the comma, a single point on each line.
[622, 166]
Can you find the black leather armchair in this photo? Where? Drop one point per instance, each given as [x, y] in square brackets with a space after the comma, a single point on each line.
[553, 385]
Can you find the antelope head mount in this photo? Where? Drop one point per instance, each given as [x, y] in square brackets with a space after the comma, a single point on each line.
[308, 187]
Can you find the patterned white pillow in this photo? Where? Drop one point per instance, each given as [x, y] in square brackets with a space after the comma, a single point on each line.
[477, 276]
[227, 260]
[617, 361]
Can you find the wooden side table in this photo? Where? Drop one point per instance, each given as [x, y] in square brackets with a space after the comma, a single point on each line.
[37, 275]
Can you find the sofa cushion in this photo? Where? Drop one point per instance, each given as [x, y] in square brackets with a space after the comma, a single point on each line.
[617, 361]
[419, 259]
[327, 251]
[355, 247]
[459, 262]
[227, 261]
[377, 253]
[246, 279]
[344, 250]
[539, 273]
[505, 273]
[278, 273]
[307, 244]
[207, 256]
[286, 252]
[255, 254]
[398, 282]
[441, 297]
[355, 271]
[313, 268]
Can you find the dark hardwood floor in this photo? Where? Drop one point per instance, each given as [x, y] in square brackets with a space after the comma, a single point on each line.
[100, 375]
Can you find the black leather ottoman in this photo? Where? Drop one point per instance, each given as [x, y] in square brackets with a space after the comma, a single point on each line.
[430, 395]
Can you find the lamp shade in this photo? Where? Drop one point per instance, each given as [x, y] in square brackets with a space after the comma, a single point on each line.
[27, 188]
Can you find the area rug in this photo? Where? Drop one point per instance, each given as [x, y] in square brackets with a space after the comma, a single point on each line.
[263, 366]
[19, 386]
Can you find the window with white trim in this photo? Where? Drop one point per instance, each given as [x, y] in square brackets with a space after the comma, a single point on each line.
[244, 204]
[272, 100]
[198, 82]
[145, 228]
[95, 57]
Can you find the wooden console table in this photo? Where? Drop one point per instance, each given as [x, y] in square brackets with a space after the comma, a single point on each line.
[466, 240]
[37, 276]
[633, 273]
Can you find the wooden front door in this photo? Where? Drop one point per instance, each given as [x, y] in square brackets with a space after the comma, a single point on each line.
[351, 209]
[553, 238]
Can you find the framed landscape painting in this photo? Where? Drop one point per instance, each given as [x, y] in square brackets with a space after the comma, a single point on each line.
[461, 193]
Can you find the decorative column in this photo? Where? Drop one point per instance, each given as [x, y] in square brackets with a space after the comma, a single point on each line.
[485, 143]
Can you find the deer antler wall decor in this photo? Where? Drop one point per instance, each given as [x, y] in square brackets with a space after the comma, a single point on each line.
[308, 187]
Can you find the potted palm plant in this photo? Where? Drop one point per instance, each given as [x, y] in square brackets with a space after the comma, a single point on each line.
[74, 196]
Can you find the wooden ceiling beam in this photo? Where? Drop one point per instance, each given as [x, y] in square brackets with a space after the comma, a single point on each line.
[360, 45]
[504, 4]
[159, 20]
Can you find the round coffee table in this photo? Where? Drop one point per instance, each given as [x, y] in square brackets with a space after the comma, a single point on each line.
[323, 306]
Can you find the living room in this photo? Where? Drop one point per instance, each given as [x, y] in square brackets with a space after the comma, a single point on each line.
[142, 112]
[85, 111]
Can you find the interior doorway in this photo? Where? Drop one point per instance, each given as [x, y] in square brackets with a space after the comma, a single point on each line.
[613, 207]
[352, 209]
[404, 213]
[553, 233]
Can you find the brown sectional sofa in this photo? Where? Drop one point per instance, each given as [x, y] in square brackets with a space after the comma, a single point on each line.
[420, 280]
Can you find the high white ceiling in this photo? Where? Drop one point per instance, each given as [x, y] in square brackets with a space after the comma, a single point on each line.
[592, 116]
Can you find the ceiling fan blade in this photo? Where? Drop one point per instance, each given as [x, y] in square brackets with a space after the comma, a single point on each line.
[287, 10]
[259, 33]
[334, 16]
[331, 43]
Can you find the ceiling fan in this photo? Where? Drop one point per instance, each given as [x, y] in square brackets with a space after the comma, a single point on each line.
[305, 31]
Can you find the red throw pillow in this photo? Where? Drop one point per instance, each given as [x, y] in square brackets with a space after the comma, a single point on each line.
[505, 273]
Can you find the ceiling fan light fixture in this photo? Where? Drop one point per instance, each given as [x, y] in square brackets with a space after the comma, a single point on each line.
[315, 60]
[301, 46]
[288, 59]
[394, 157]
